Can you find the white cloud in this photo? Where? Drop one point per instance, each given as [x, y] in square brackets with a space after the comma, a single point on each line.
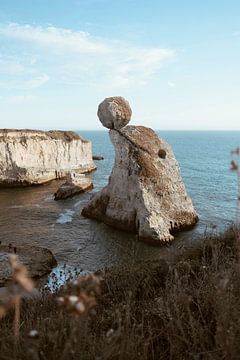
[55, 38]
[36, 82]
[18, 99]
[75, 57]
[9, 66]
[24, 84]
[171, 84]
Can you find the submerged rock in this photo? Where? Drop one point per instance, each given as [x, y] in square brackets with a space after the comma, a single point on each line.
[39, 261]
[32, 157]
[145, 193]
[75, 184]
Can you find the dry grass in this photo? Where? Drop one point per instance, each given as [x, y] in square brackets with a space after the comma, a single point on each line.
[190, 310]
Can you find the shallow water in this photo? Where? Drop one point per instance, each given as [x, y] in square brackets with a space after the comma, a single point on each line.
[31, 216]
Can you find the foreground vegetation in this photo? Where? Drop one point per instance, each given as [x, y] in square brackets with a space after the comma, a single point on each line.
[189, 309]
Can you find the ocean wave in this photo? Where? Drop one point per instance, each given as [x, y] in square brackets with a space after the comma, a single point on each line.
[65, 217]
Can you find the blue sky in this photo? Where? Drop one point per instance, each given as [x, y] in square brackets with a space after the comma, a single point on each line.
[177, 62]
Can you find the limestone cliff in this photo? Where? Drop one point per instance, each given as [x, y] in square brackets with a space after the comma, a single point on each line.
[29, 157]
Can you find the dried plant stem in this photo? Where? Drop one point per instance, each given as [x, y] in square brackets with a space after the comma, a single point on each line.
[17, 317]
[238, 199]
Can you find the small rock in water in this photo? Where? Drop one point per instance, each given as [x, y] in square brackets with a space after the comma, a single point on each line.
[75, 184]
[95, 157]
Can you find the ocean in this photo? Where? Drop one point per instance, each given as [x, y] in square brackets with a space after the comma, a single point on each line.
[31, 216]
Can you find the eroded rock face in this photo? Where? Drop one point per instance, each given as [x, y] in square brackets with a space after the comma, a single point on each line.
[39, 261]
[29, 157]
[145, 193]
[75, 184]
[114, 112]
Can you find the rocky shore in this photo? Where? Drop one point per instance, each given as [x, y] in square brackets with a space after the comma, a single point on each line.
[33, 157]
[39, 261]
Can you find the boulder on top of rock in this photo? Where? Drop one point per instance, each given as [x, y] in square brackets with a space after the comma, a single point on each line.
[145, 193]
[114, 112]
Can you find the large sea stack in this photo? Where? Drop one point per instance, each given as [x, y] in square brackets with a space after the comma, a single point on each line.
[31, 157]
[145, 194]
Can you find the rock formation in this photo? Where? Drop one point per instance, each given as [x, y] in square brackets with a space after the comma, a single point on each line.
[75, 184]
[145, 193]
[97, 157]
[39, 261]
[29, 157]
[114, 112]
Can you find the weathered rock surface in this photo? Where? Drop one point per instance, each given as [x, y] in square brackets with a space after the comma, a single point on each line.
[75, 184]
[145, 193]
[31, 157]
[114, 112]
[39, 261]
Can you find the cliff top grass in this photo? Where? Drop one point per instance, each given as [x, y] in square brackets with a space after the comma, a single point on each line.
[184, 308]
[66, 136]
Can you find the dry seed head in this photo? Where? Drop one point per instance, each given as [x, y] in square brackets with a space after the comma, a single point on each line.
[72, 299]
[84, 294]
[33, 334]
[80, 308]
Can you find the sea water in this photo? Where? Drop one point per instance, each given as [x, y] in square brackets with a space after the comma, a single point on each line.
[31, 216]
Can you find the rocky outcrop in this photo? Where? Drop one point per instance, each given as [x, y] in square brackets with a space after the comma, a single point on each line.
[29, 157]
[145, 193]
[97, 157]
[75, 184]
[39, 261]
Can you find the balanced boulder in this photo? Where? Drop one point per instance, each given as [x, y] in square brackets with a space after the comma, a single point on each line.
[114, 112]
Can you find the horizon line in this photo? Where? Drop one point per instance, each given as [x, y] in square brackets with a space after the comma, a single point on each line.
[105, 129]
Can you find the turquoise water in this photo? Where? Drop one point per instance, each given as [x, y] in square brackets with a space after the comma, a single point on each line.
[31, 216]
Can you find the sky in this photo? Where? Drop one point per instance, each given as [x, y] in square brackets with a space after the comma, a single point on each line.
[176, 61]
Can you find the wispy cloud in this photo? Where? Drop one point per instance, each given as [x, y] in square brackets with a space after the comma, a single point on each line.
[17, 99]
[9, 66]
[55, 38]
[69, 56]
[20, 84]
[171, 84]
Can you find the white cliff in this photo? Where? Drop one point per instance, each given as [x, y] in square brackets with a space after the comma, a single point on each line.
[145, 193]
[29, 157]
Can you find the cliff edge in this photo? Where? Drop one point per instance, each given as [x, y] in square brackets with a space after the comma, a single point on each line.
[32, 157]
